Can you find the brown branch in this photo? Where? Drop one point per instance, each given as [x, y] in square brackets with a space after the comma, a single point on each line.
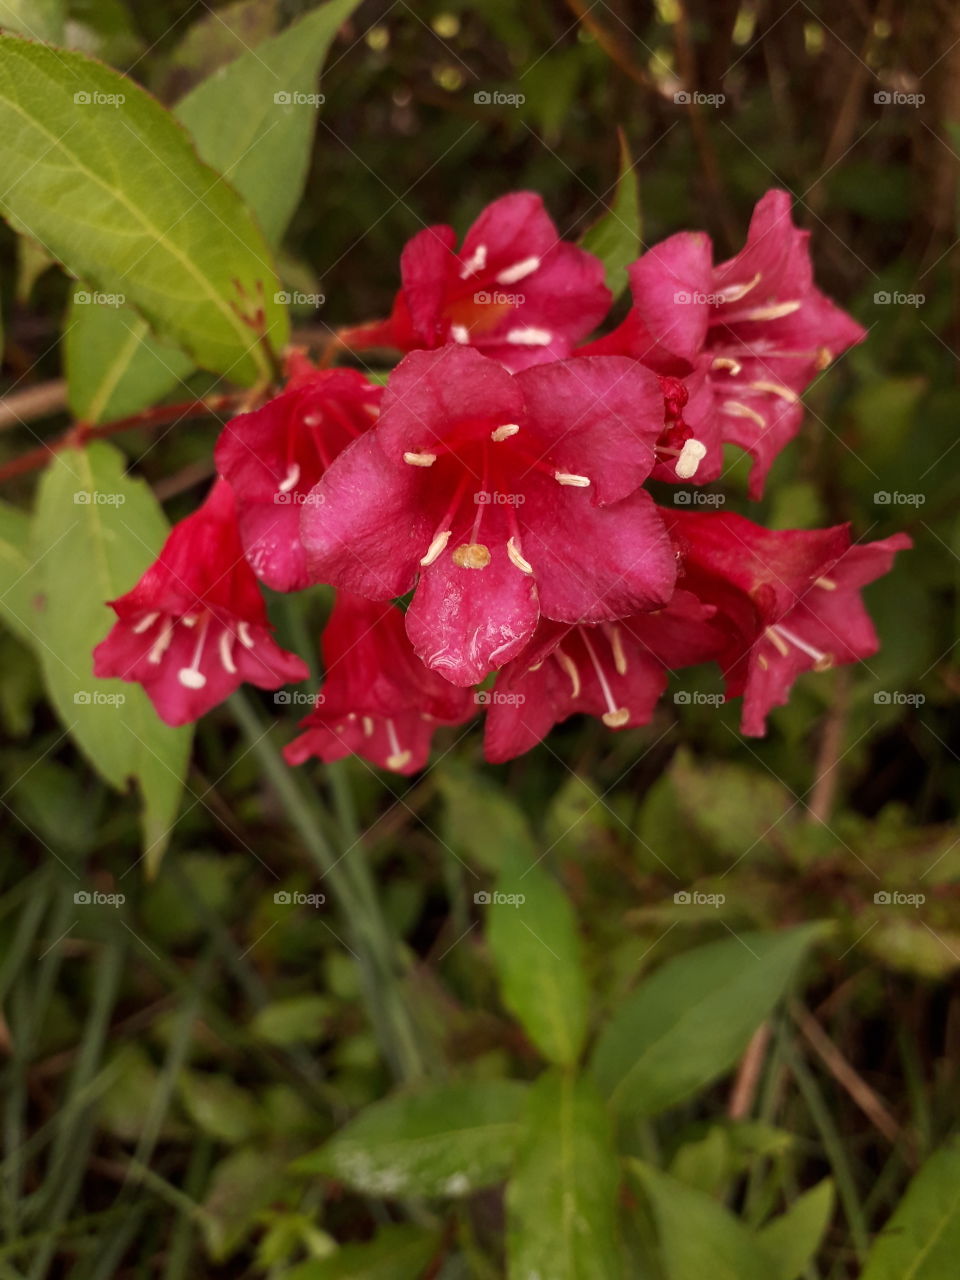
[748, 1074]
[824, 789]
[35, 402]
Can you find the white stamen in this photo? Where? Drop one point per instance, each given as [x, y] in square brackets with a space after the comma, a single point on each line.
[567, 477]
[505, 432]
[460, 333]
[290, 479]
[516, 558]
[778, 632]
[372, 409]
[727, 362]
[519, 271]
[420, 459]
[774, 312]
[189, 620]
[616, 644]
[734, 292]
[145, 623]
[436, 547]
[614, 717]
[529, 337]
[775, 389]
[192, 677]
[738, 410]
[570, 667]
[691, 455]
[368, 726]
[244, 636]
[827, 584]
[476, 262]
[312, 419]
[398, 757]
[162, 642]
[226, 652]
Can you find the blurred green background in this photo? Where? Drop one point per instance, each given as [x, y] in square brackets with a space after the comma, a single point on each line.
[164, 1061]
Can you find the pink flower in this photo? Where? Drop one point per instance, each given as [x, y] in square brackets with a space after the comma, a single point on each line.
[274, 456]
[789, 600]
[755, 325]
[378, 699]
[498, 498]
[514, 291]
[615, 671]
[195, 626]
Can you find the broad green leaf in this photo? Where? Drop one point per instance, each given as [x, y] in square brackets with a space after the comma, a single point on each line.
[480, 820]
[218, 1106]
[615, 237]
[922, 1239]
[241, 1187]
[115, 365]
[95, 531]
[214, 39]
[295, 1020]
[792, 1240]
[395, 1253]
[689, 1022]
[698, 1237]
[102, 175]
[562, 1196]
[533, 938]
[262, 145]
[17, 579]
[446, 1141]
[36, 19]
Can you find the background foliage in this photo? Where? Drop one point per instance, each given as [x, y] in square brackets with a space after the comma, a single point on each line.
[759, 1079]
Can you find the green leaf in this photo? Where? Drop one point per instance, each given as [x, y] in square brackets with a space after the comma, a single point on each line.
[447, 1141]
[296, 1020]
[922, 1239]
[17, 581]
[216, 38]
[115, 366]
[241, 1186]
[615, 237]
[260, 145]
[110, 184]
[218, 1106]
[396, 1253]
[690, 1021]
[698, 1237]
[562, 1197]
[536, 950]
[95, 532]
[792, 1240]
[36, 19]
[480, 820]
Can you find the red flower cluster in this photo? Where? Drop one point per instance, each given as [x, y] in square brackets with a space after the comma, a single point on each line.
[499, 479]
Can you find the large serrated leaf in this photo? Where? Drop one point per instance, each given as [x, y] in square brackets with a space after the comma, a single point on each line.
[689, 1022]
[104, 177]
[536, 949]
[922, 1239]
[562, 1197]
[95, 531]
[447, 1141]
[115, 365]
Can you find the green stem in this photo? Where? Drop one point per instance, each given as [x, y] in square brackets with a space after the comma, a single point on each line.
[350, 879]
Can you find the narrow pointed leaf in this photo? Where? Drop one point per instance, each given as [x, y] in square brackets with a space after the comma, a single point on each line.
[922, 1239]
[615, 237]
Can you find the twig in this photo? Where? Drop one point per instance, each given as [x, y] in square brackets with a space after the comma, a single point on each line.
[748, 1074]
[824, 787]
[35, 402]
[866, 1098]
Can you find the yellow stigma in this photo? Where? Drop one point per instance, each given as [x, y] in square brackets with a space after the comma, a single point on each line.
[471, 555]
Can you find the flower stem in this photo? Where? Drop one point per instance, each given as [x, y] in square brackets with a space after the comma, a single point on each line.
[349, 877]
